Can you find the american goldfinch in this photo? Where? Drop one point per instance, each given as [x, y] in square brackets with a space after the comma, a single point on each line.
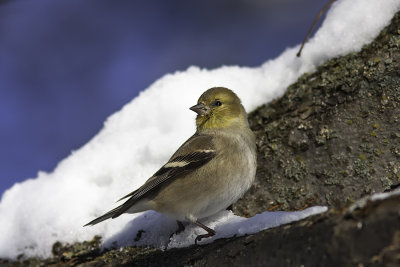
[208, 173]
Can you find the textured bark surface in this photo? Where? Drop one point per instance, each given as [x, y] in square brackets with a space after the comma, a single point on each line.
[333, 138]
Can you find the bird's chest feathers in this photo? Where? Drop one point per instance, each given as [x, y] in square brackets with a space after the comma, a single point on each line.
[238, 166]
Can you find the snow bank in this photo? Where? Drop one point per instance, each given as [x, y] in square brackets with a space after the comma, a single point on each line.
[139, 138]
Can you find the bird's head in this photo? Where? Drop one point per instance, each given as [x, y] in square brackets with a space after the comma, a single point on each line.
[219, 107]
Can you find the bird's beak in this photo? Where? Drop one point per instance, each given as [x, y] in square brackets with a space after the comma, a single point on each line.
[200, 109]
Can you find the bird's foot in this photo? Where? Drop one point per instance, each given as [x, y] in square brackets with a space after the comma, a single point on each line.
[200, 237]
[181, 228]
[210, 232]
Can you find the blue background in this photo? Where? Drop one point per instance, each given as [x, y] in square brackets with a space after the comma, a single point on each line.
[66, 65]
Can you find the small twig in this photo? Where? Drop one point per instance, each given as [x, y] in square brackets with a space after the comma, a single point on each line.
[312, 26]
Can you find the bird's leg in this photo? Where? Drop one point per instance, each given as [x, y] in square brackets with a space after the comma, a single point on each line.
[181, 228]
[210, 232]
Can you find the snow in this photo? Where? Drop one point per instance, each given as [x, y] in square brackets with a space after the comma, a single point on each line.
[139, 138]
[384, 195]
[225, 223]
[362, 202]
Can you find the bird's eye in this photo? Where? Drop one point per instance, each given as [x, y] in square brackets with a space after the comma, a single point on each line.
[218, 103]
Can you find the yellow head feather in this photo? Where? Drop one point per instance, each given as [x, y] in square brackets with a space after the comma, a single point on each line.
[219, 107]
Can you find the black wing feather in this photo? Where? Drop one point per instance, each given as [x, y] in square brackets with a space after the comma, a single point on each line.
[194, 160]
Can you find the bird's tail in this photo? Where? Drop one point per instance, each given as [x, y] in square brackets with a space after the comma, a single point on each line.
[108, 215]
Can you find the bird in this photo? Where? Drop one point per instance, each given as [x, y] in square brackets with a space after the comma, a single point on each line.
[207, 174]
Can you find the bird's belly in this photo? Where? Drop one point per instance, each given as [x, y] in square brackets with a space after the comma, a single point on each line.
[223, 198]
[204, 199]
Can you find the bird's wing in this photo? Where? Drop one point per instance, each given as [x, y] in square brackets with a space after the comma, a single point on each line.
[103, 217]
[194, 153]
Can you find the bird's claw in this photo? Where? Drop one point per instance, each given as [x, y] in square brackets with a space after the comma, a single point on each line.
[210, 233]
[181, 228]
[200, 237]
